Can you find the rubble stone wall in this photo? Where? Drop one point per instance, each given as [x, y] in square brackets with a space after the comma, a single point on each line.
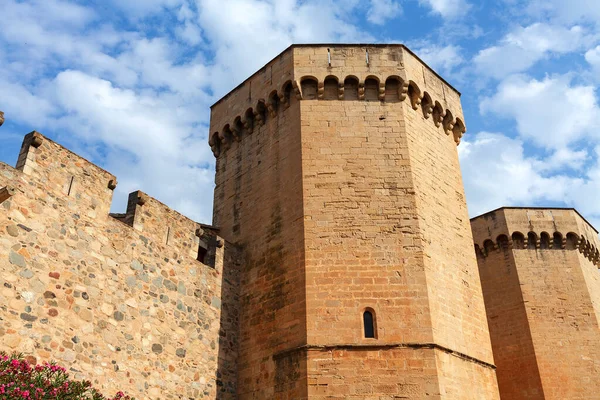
[119, 300]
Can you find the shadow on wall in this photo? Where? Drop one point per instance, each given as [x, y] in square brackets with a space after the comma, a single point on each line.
[229, 327]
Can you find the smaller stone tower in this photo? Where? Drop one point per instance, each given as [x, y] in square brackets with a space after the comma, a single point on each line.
[541, 286]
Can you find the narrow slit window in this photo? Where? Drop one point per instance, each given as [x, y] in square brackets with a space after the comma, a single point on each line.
[369, 324]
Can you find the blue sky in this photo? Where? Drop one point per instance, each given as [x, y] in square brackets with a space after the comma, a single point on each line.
[128, 84]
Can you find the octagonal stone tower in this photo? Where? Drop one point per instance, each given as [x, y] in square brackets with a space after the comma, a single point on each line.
[338, 175]
[539, 272]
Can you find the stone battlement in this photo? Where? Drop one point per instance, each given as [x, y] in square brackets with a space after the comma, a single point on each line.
[387, 74]
[137, 301]
[535, 229]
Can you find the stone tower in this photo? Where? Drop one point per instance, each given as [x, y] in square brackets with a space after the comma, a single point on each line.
[539, 273]
[338, 176]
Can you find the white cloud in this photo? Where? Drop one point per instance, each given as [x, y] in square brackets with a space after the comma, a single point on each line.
[566, 11]
[139, 105]
[592, 56]
[552, 113]
[160, 149]
[497, 173]
[383, 10]
[449, 9]
[523, 47]
[255, 31]
[443, 59]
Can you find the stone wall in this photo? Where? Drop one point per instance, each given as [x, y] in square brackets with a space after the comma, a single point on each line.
[318, 155]
[540, 283]
[120, 300]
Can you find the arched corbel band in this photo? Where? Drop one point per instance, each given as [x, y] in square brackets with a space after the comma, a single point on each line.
[392, 89]
[542, 241]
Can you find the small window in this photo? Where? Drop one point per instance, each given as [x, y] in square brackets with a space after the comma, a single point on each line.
[572, 241]
[371, 90]
[557, 241]
[330, 89]
[531, 241]
[351, 88]
[309, 88]
[369, 324]
[502, 241]
[518, 240]
[545, 240]
[202, 252]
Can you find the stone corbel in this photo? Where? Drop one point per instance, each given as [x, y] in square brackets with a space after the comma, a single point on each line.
[341, 91]
[427, 110]
[271, 108]
[37, 139]
[403, 91]
[297, 92]
[224, 140]
[235, 132]
[320, 91]
[361, 91]
[248, 125]
[6, 193]
[112, 184]
[381, 94]
[215, 150]
[142, 198]
[1, 118]
[259, 118]
[448, 125]
[416, 102]
[283, 101]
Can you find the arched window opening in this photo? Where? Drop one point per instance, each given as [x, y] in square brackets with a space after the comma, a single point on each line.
[287, 93]
[572, 241]
[237, 128]
[557, 241]
[531, 240]
[371, 89]
[414, 94]
[518, 240]
[488, 246]
[369, 324]
[502, 241]
[351, 88]
[544, 240]
[392, 90]
[330, 89]
[309, 88]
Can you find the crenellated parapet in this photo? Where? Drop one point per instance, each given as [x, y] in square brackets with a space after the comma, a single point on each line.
[110, 294]
[535, 230]
[369, 73]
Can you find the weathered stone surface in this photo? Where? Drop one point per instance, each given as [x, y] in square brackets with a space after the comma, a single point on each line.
[542, 294]
[84, 288]
[17, 259]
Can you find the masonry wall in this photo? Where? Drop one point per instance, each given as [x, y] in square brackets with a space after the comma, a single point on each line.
[541, 300]
[382, 197]
[122, 301]
[258, 206]
[332, 145]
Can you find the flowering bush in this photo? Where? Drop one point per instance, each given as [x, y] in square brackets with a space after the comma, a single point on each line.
[21, 380]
